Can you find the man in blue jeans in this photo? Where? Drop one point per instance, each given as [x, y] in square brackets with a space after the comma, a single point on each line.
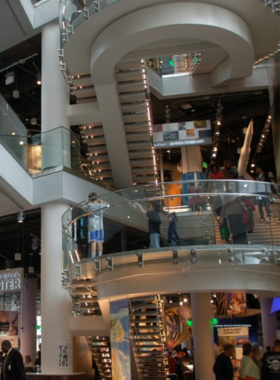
[154, 223]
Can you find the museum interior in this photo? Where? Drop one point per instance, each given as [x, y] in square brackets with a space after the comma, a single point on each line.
[139, 185]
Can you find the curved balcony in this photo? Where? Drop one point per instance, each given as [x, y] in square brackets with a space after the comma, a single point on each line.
[212, 237]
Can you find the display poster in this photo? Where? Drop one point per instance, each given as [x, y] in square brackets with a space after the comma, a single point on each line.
[233, 335]
[8, 323]
[120, 342]
[182, 134]
[65, 354]
[11, 280]
[12, 339]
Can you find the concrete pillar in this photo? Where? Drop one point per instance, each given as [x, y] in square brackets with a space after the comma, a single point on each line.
[28, 318]
[269, 324]
[55, 98]
[203, 336]
[191, 159]
[56, 303]
[273, 68]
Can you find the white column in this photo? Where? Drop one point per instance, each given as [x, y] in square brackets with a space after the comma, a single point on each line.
[56, 302]
[29, 313]
[55, 98]
[269, 324]
[191, 158]
[203, 336]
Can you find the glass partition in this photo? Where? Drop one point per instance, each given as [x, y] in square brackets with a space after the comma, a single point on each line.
[57, 147]
[221, 221]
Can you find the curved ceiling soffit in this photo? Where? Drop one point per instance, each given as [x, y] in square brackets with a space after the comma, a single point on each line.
[202, 21]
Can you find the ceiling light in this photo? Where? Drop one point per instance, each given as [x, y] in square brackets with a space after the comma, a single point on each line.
[17, 256]
[33, 121]
[31, 269]
[20, 216]
[16, 94]
[13, 133]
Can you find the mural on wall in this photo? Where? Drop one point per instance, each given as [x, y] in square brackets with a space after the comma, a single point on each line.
[120, 344]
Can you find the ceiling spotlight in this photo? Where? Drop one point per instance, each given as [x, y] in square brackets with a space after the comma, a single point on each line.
[20, 216]
[39, 81]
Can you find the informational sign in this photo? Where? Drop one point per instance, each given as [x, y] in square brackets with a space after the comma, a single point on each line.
[65, 354]
[11, 280]
[182, 134]
[233, 335]
[12, 339]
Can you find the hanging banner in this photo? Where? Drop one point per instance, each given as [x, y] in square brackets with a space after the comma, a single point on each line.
[11, 280]
[237, 303]
[229, 303]
[182, 134]
[120, 343]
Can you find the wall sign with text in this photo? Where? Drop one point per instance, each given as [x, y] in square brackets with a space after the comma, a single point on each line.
[185, 133]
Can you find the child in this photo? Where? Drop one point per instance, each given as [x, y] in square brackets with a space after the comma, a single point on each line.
[95, 223]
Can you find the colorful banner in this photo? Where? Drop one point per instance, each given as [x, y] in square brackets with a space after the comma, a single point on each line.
[237, 303]
[181, 134]
[120, 343]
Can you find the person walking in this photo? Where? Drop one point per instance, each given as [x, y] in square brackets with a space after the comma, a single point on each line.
[223, 367]
[249, 369]
[13, 368]
[263, 191]
[271, 363]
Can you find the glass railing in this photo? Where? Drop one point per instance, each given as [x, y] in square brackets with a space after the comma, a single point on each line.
[57, 147]
[221, 221]
[73, 12]
[176, 65]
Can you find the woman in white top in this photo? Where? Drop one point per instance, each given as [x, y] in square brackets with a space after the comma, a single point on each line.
[249, 370]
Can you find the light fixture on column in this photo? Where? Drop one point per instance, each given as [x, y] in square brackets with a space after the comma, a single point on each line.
[31, 267]
[16, 91]
[39, 80]
[17, 256]
[20, 216]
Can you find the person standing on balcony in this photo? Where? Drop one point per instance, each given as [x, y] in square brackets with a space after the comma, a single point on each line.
[264, 192]
[173, 236]
[95, 206]
[227, 169]
[232, 210]
[154, 223]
